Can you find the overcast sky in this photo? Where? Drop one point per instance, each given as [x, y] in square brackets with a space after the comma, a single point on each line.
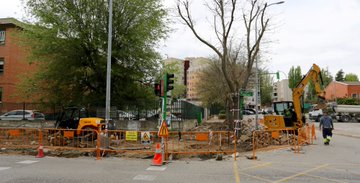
[325, 32]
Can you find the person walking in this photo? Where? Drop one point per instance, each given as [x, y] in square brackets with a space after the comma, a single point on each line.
[326, 125]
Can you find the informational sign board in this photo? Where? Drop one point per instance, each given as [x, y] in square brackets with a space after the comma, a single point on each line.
[145, 138]
[131, 135]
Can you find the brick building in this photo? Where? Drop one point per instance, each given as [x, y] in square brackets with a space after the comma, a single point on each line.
[13, 63]
[338, 89]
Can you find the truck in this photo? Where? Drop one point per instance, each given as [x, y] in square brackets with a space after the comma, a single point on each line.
[345, 113]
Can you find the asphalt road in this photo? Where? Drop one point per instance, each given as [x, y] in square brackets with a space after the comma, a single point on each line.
[338, 162]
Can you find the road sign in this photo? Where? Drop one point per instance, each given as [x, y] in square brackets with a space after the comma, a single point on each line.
[163, 131]
[145, 137]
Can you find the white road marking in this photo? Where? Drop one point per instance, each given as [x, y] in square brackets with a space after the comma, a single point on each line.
[156, 168]
[145, 177]
[4, 168]
[27, 162]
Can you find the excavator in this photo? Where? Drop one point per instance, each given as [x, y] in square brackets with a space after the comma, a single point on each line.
[289, 114]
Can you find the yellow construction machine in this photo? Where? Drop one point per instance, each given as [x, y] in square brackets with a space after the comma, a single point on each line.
[78, 118]
[289, 114]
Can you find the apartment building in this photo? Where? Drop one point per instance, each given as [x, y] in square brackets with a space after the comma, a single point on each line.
[13, 63]
[281, 91]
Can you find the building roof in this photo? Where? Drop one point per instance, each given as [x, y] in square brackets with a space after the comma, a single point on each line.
[351, 83]
[11, 21]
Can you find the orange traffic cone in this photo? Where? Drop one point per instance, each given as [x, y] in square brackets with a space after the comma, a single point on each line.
[40, 151]
[157, 161]
[313, 133]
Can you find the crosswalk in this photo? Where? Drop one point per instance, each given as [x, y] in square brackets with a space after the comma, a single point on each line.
[150, 177]
[27, 162]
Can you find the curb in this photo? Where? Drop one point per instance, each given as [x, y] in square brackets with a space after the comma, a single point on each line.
[347, 135]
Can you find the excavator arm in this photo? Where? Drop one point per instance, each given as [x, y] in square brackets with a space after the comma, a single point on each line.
[313, 74]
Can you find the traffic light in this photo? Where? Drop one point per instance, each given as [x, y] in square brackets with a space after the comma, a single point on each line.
[277, 75]
[170, 82]
[157, 89]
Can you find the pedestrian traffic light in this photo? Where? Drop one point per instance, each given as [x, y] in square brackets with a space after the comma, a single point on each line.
[277, 75]
[170, 82]
[157, 89]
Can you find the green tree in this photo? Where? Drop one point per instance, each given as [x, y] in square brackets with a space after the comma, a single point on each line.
[294, 76]
[351, 77]
[266, 83]
[339, 75]
[69, 38]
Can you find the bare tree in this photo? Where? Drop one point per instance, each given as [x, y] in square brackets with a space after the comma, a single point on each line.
[223, 12]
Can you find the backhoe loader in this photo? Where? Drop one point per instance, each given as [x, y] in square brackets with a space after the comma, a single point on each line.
[76, 118]
[289, 114]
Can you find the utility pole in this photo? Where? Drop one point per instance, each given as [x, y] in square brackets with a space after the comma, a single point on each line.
[108, 70]
[257, 83]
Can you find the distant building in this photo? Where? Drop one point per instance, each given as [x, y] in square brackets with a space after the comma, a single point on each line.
[338, 89]
[13, 62]
[176, 64]
[197, 65]
[281, 91]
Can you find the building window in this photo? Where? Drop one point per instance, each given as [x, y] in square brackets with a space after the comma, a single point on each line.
[1, 65]
[2, 37]
[354, 95]
[1, 92]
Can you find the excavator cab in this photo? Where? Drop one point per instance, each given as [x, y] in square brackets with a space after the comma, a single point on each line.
[286, 109]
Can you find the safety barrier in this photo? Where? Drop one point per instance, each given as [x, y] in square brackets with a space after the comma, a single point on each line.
[19, 138]
[213, 142]
[264, 140]
[306, 136]
[120, 141]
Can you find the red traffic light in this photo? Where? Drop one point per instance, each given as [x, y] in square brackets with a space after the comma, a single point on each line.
[157, 89]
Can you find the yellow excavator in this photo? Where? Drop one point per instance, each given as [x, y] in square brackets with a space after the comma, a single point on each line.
[289, 114]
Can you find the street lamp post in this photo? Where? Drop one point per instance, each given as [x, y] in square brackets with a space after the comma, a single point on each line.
[108, 69]
[257, 83]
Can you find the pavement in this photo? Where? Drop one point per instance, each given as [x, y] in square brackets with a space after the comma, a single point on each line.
[317, 163]
[345, 129]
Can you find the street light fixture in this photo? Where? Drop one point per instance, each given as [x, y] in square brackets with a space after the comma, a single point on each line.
[257, 84]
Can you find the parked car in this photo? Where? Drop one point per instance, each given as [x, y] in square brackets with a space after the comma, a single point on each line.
[23, 115]
[315, 114]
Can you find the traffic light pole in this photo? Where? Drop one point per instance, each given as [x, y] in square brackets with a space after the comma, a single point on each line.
[164, 98]
[164, 108]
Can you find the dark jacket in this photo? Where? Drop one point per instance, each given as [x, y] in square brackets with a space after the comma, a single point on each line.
[326, 122]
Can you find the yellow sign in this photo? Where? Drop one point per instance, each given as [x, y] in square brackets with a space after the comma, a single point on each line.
[163, 131]
[145, 137]
[131, 135]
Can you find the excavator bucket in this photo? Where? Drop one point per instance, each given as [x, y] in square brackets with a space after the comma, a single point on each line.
[321, 104]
